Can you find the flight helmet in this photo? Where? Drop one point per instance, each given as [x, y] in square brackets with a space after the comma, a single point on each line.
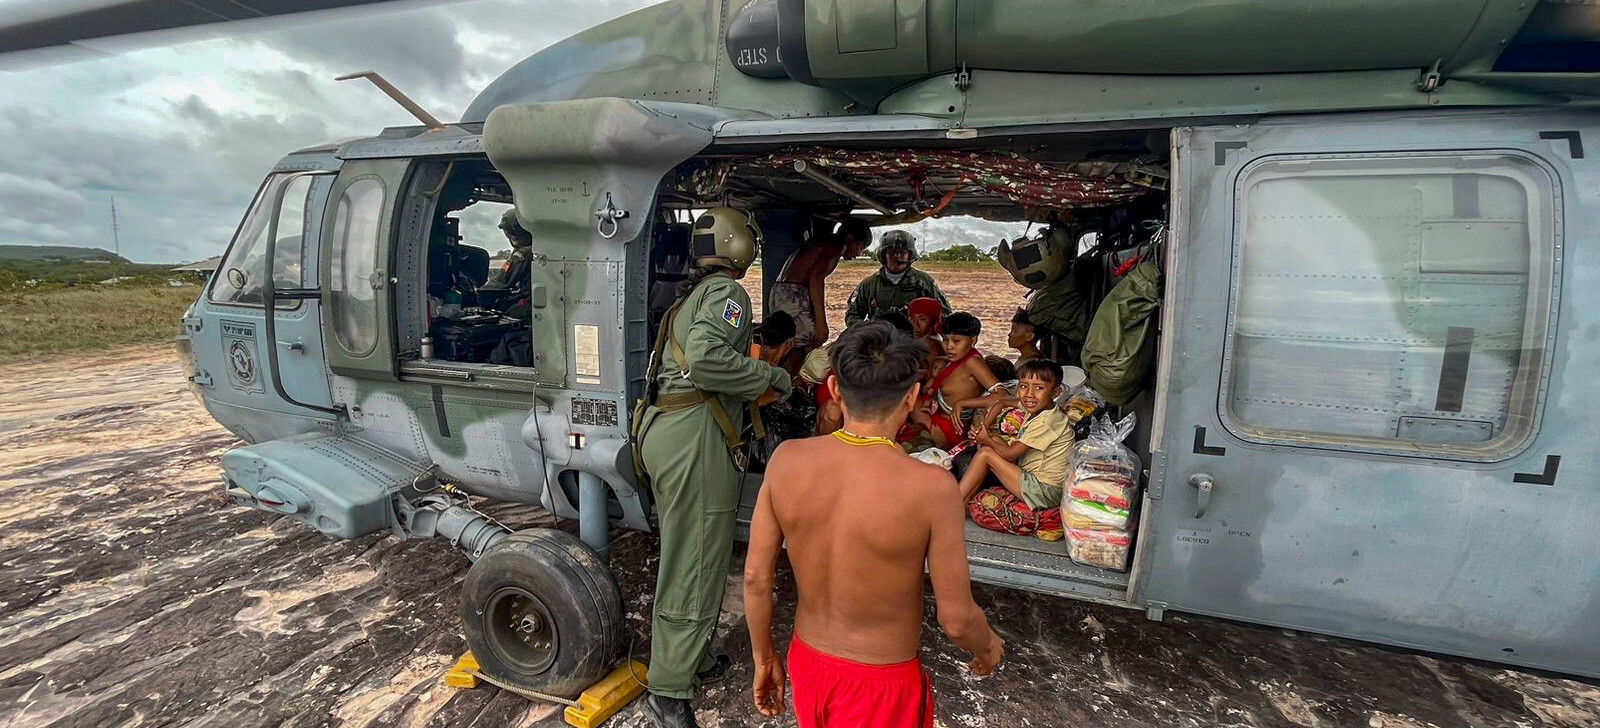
[1039, 261]
[725, 237]
[512, 227]
[896, 240]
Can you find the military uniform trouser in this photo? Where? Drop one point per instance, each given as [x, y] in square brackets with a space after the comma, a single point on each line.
[696, 489]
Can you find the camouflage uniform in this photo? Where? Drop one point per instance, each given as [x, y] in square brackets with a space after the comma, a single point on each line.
[877, 295]
[695, 481]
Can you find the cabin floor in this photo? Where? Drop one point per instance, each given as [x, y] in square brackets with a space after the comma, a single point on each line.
[134, 596]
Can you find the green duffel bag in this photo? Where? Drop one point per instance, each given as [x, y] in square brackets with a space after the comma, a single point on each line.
[1114, 352]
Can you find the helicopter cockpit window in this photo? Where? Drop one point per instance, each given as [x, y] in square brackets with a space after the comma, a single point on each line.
[244, 271]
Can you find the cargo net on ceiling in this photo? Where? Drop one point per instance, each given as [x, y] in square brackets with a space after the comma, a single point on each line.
[1031, 184]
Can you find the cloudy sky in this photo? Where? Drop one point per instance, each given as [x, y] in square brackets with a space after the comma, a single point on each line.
[182, 133]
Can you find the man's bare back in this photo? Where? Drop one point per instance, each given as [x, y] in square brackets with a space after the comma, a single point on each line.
[860, 519]
[857, 520]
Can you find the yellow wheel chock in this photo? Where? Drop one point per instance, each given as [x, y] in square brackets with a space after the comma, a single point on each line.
[601, 701]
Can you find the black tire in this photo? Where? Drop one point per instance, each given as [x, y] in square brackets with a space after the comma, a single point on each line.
[541, 611]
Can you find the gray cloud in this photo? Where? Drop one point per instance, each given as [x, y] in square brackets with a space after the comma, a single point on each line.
[183, 136]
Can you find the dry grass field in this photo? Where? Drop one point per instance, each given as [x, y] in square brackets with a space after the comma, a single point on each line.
[89, 317]
[983, 289]
[93, 317]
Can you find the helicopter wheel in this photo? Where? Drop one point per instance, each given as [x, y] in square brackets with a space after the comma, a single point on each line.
[541, 612]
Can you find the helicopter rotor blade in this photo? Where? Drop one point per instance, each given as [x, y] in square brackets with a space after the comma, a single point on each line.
[41, 32]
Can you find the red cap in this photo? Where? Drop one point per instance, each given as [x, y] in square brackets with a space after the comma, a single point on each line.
[929, 307]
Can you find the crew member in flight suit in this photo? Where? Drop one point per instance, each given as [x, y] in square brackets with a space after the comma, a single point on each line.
[512, 276]
[895, 283]
[707, 380]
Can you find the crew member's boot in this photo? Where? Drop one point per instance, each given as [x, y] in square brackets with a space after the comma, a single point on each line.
[668, 712]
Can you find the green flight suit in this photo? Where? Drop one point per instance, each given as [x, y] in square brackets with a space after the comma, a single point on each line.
[511, 276]
[695, 482]
[876, 295]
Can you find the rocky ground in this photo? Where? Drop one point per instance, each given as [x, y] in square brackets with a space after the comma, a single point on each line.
[134, 596]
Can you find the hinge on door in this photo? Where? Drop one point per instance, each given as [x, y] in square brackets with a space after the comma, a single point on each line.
[963, 79]
[193, 324]
[201, 378]
[1430, 78]
[1157, 474]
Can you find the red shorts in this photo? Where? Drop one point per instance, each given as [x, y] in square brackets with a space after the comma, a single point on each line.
[948, 427]
[832, 692]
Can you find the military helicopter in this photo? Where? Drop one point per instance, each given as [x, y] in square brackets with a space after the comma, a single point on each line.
[1363, 396]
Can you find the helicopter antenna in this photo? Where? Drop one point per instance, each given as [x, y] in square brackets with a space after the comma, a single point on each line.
[403, 100]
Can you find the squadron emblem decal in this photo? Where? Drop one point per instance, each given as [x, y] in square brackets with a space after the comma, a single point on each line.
[733, 313]
[239, 346]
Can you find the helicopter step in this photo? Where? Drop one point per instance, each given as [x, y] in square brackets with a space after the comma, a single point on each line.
[335, 484]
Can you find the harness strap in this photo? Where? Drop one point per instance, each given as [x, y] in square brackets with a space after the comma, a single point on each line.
[938, 381]
[730, 433]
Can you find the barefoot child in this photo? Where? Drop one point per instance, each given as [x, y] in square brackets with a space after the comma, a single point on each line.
[1034, 466]
[965, 376]
[858, 624]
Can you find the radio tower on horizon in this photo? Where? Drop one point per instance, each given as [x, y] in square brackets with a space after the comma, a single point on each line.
[116, 240]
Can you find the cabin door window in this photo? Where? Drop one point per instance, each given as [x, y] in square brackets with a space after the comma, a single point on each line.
[355, 277]
[1391, 303]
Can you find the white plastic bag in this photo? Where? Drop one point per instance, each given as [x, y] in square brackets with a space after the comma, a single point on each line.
[935, 456]
[1080, 402]
[1100, 549]
[1103, 469]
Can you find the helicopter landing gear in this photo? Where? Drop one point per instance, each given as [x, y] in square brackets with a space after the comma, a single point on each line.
[542, 613]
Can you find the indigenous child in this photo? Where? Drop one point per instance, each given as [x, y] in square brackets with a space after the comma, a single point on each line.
[1034, 466]
[773, 338]
[814, 376]
[1023, 336]
[1004, 392]
[927, 318]
[963, 376]
[795, 416]
[857, 627]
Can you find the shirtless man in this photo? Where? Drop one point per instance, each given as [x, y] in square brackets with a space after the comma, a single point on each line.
[799, 289]
[859, 621]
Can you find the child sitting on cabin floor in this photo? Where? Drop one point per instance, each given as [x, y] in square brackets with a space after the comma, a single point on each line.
[1023, 336]
[1034, 466]
[964, 376]
[927, 319]
[1005, 391]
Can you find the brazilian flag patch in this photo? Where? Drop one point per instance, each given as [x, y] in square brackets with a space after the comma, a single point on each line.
[733, 313]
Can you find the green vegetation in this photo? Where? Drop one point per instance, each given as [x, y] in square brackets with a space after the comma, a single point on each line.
[84, 318]
[958, 253]
[57, 253]
[42, 268]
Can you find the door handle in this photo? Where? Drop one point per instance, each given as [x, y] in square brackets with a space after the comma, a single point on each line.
[1203, 485]
[295, 346]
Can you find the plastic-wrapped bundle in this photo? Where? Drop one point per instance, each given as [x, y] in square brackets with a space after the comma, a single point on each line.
[1101, 549]
[1091, 516]
[1103, 469]
[1081, 402]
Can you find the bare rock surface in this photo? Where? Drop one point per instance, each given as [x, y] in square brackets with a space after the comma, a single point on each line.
[133, 595]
